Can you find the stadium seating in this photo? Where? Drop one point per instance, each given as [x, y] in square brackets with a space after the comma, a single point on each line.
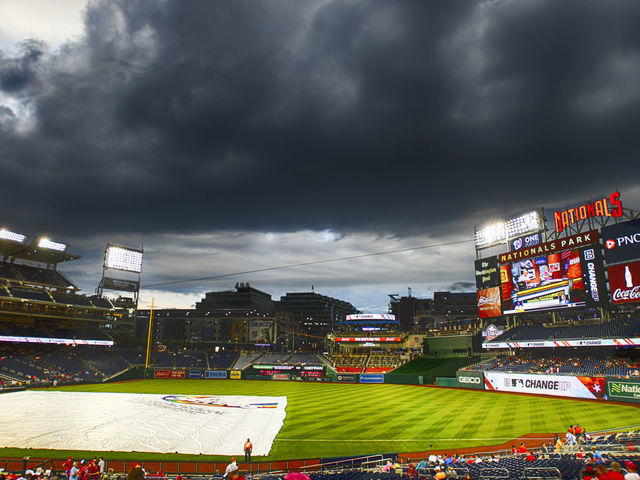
[221, 360]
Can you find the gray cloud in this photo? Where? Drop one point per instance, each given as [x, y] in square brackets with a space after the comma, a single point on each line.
[403, 118]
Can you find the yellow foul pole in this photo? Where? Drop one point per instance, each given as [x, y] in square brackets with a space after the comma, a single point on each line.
[146, 364]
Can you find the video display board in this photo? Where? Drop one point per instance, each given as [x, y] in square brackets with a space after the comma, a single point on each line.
[553, 281]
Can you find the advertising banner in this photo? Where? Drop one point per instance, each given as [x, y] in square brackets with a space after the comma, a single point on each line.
[368, 339]
[526, 241]
[120, 285]
[168, 374]
[556, 385]
[595, 287]
[195, 374]
[470, 379]
[372, 378]
[261, 331]
[603, 342]
[487, 272]
[346, 378]
[623, 390]
[622, 242]
[574, 241]
[237, 325]
[58, 341]
[489, 304]
[215, 374]
[624, 282]
[280, 376]
[235, 374]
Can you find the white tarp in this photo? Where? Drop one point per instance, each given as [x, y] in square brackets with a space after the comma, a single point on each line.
[193, 424]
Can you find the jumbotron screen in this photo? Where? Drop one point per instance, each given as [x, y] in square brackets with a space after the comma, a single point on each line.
[542, 283]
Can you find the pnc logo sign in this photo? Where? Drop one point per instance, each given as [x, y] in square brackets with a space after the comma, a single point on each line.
[623, 241]
[475, 380]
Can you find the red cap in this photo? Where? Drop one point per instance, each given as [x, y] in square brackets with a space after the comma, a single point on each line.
[630, 464]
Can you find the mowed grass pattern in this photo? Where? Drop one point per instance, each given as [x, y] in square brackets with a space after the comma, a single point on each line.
[350, 419]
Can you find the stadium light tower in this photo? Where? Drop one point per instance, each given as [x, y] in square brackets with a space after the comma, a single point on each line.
[501, 232]
[121, 271]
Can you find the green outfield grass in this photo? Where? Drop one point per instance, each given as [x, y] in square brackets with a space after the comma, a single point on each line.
[348, 419]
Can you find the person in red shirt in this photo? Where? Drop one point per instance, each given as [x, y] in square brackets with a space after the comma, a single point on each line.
[514, 450]
[588, 473]
[530, 457]
[522, 448]
[615, 472]
[82, 473]
[67, 466]
[93, 472]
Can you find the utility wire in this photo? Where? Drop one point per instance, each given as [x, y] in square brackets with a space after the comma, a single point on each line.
[294, 265]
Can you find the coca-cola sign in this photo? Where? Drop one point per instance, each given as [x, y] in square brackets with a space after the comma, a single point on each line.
[624, 281]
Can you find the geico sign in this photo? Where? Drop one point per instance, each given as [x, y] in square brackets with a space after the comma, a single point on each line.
[469, 379]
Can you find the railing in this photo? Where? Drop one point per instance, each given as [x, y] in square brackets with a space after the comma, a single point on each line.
[494, 473]
[542, 473]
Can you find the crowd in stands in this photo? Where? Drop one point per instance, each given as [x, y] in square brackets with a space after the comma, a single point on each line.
[621, 326]
[569, 365]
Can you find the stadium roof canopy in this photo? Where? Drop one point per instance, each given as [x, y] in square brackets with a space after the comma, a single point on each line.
[10, 248]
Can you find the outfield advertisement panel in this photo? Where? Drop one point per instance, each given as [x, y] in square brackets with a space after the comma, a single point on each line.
[235, 374]
[470, 379]
[346, 378]
[556, 385]
[215, 374]
[195, 374]
[371, 378]
[623, 390]
[168, 374]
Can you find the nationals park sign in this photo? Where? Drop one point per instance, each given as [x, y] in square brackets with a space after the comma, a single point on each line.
[574, 241]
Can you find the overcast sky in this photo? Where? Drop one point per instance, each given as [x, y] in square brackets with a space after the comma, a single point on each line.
[229, 136]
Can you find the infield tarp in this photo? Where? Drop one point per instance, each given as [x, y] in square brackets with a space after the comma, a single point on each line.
[190, 424]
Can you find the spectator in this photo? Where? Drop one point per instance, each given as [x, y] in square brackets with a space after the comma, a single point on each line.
[136, 473]
[73, 473]
[233, 466]
[588, 473]
[615, 472]
[601, 472]
[440, 475]
[632, 470]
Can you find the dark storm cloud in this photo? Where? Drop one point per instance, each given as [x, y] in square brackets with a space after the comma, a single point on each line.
[284, 115]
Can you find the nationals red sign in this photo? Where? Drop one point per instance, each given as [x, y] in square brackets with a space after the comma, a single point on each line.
[624, 281]
[579, 240]
[606, 207]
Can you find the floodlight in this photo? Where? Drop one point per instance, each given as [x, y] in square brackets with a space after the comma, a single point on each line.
[49, 245]
[500, 231]
[14, 237]
[124, 259]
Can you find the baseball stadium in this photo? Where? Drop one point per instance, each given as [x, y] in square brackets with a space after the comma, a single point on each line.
[535, 374]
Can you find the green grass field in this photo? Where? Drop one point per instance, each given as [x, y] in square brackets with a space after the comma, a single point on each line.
[348, 419]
